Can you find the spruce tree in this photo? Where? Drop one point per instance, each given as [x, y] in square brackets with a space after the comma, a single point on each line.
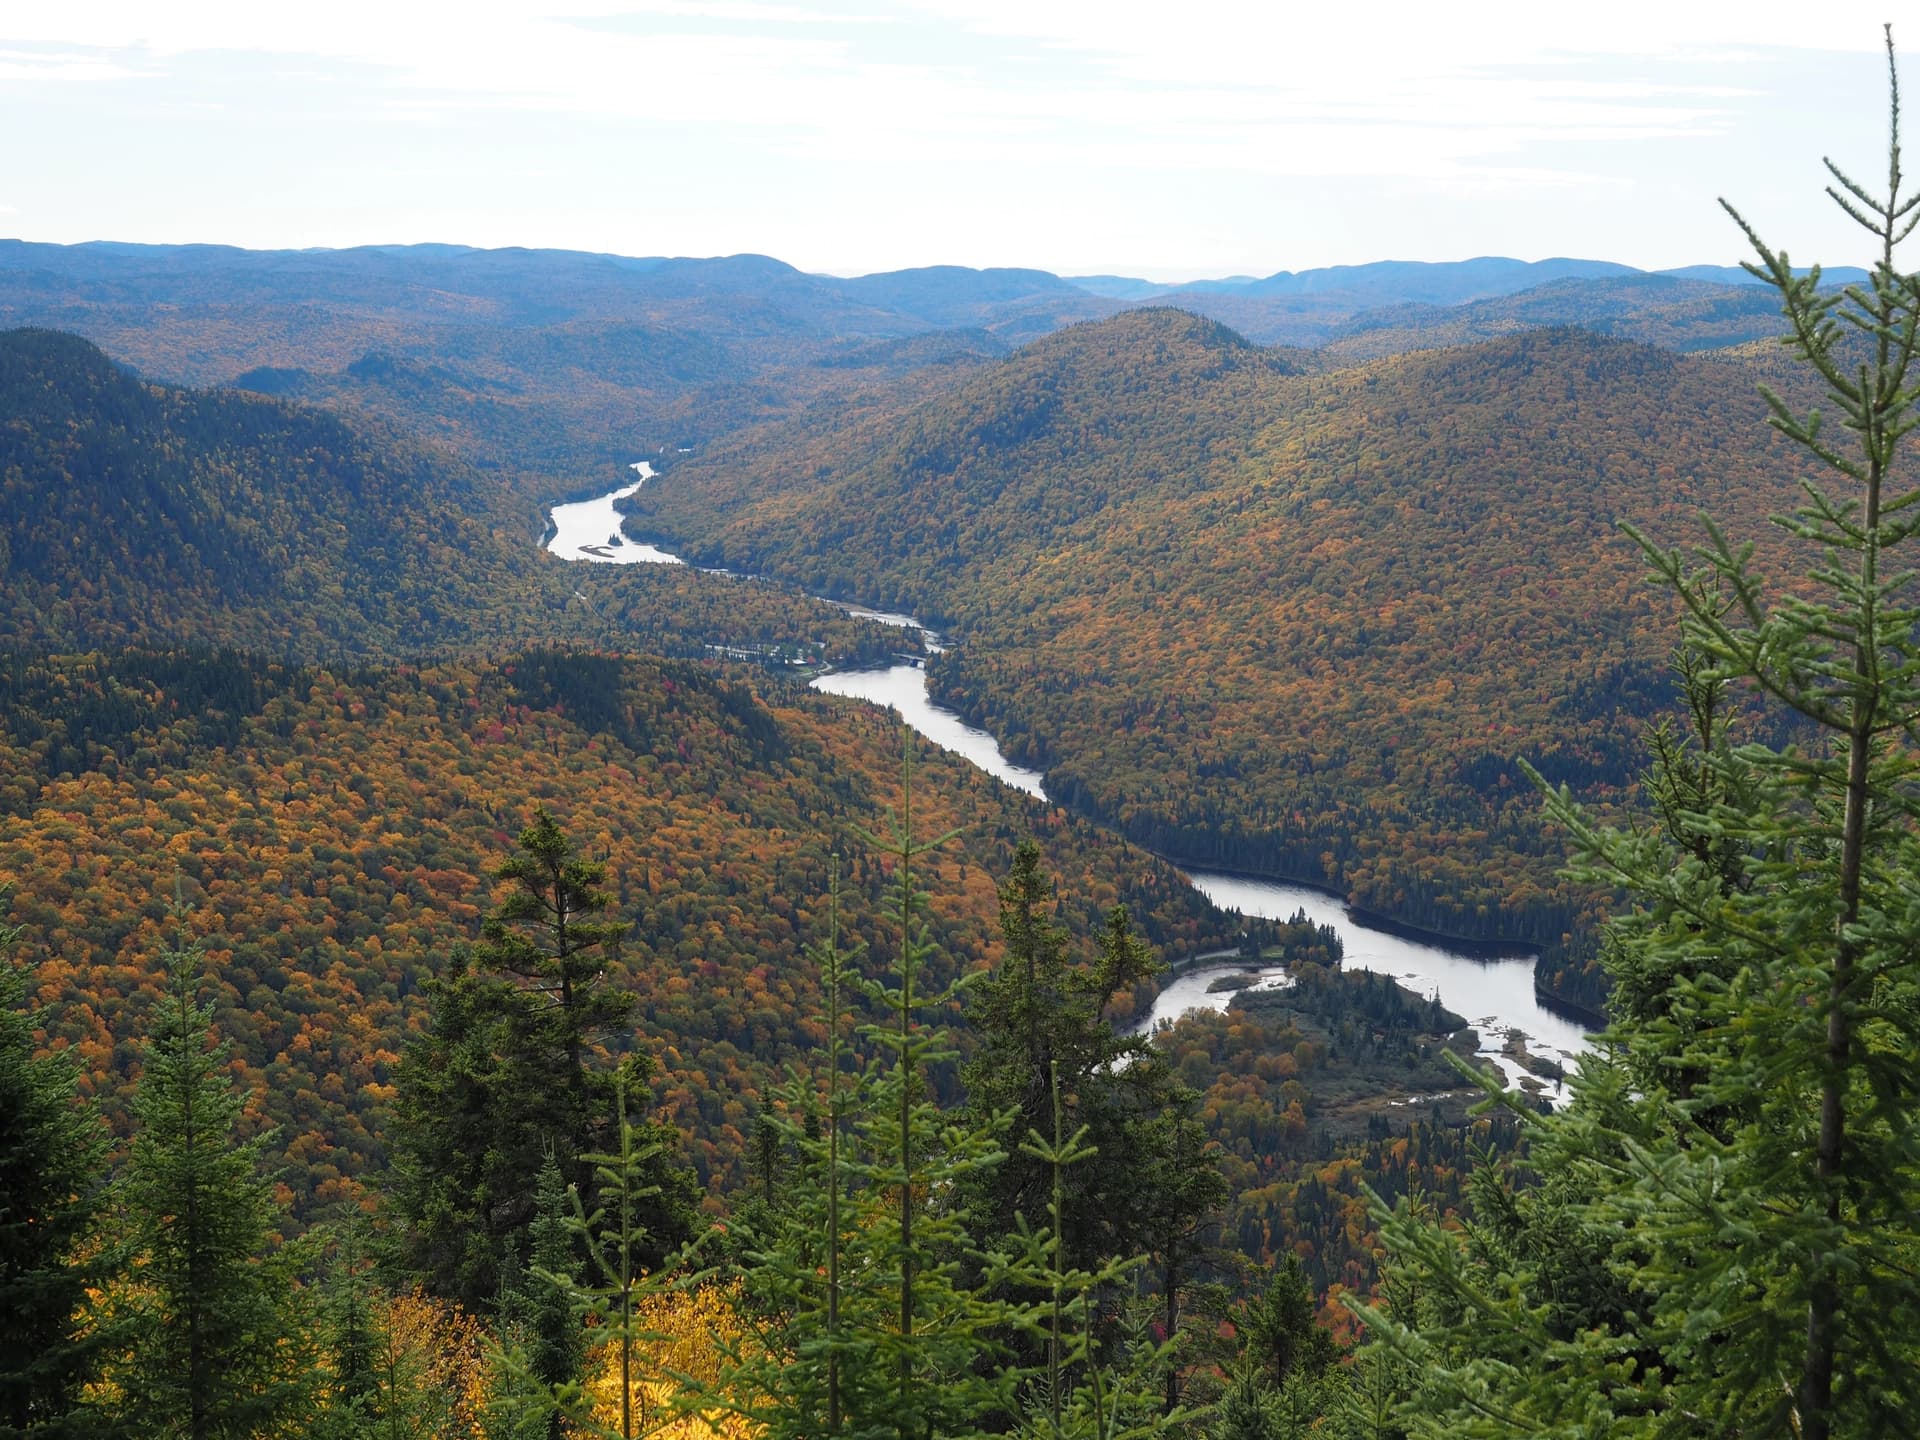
[1741, 1154]
[53, 1253]
[459, 1184]
[541, 1311]
[1147, 1183]
[617, 1243]
[1245, 1410]
[512, 1065]
[869, 1327]
[1040, 1015]
[1282, 1329]
[549, 936]
[351, 1332]
[219, 1350]
[1101, 1386]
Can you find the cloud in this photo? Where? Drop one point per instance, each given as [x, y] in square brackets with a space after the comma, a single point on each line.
[1014, 113]
[1229, 79]
[62, 66]
[636, 13]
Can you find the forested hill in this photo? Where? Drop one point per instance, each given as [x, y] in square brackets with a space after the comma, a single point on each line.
[132, 512]
[140, 514]
[1289, 622]
[331, 832]
[549, 369]
[544, 368]
[1677, 314]
[1092, 419]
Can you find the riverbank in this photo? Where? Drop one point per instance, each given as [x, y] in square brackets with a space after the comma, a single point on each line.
[1490, 983]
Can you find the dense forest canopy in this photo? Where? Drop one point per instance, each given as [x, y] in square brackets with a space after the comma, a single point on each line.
[1291, 622]
[543, 368]
[450, 990]
[333, 828]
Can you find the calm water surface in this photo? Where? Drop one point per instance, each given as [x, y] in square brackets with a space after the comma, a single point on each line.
[1496, 996]
[585, 530]
[903, 688]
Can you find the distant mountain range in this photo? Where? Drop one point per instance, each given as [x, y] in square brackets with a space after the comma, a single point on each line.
[462, 284]
[551, 368]
[1447, 282]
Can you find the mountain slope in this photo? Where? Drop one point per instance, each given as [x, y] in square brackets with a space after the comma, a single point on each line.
[1047, 439]
[1285, 622]
[550, 369]
[1678, 314]
[134, 512]
[332, 831]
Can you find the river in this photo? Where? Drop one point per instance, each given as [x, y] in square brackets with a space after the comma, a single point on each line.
[1496, 996]
[590, 529]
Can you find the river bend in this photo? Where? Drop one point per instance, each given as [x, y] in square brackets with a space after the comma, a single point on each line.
[1496, 996]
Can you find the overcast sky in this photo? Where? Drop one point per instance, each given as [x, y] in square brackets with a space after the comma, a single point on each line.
[1170, 140]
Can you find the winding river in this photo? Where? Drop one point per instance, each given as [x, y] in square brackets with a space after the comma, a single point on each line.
[590, 529]
[1496, 996]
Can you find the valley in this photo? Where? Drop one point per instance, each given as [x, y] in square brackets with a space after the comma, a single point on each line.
[737, 720]
[1248, 640]
[1496, 995]
[1232, 604]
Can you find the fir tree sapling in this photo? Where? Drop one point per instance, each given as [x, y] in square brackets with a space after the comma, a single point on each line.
[1728, 1243]
[222, 1350]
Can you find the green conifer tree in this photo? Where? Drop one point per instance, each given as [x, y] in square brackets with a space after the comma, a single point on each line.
[1146, 1182]
[1741, 1156]
[868, 1327]
[542, 1314]
[52, 1249]
[1037, 1012]
[220, 1349]
[548, 935]
[351, 1332]
[1096, 1386]
[616, 1243]
[1282, 1329]
[1246, 1409]
[513, 1065]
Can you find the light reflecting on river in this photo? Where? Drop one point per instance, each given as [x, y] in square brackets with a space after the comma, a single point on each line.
[903, 688]
[1495, 995]
[586, 530]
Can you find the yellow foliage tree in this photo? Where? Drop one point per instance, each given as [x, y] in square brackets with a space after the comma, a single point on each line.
[688, 1335]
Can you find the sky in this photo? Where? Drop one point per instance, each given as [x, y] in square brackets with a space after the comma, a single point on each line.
[1176, 140]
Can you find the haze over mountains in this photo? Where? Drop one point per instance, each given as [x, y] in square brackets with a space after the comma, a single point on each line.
[551, 367]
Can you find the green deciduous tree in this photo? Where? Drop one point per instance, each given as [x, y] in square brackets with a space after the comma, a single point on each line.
[1729, 1244]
